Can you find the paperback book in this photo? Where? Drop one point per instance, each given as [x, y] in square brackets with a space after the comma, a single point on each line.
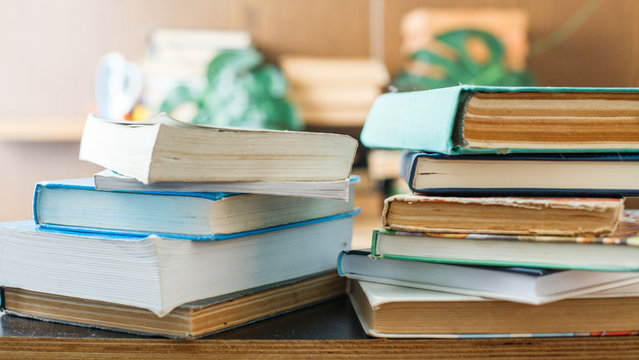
[337, 189]
[519, 284]
[162, 149]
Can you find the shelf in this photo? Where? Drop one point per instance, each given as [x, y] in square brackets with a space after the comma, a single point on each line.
[45, 129]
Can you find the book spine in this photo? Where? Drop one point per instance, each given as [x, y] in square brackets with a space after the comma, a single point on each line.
[36, 197]
[407, 168]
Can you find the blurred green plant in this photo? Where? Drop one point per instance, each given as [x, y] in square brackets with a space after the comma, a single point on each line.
[241, 92]
[462, 68]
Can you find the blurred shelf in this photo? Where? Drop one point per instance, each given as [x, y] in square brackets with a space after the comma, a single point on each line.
[45, 129]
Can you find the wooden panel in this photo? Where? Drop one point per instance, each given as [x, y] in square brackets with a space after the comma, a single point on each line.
[604, 51]
[25, 163]
[51, 48]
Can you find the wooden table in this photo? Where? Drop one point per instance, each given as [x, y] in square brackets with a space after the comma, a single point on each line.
[330, 330]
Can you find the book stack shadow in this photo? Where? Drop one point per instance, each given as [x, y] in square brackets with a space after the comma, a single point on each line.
[515, 224]
[189, 231]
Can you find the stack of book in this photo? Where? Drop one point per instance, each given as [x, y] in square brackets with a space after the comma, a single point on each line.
[334, 92]
[516, 221]
[159, 249]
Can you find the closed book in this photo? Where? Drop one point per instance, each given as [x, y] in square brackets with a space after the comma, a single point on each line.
[192, 320]
[76, 204]
[480, 119]
[617, 252]
[524, 285]
[403, 312]
[159, 273]
[337, 189]
[541, 174]
[502, 215]
[163, 149]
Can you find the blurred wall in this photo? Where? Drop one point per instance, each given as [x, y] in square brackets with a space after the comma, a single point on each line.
[49, 50]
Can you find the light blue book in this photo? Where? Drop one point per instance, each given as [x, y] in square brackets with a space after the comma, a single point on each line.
[160, 273]
[77, 205]
[480, 119]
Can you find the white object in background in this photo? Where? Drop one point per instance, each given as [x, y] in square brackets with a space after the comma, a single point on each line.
[118, 85]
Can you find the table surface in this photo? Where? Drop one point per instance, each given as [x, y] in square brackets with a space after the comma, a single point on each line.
[329, 330]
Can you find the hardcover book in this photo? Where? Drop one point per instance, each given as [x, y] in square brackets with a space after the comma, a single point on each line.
[617, 252]
[542, 174]
[192, 320]
[76, 204]
[524, 285]
[159, 273]
[165, 150]
[397, 311]
[502, 215]
[480, 119]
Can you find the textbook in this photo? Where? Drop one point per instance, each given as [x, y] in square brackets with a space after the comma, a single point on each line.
[403, 312]
[76, 205]
[541, 174]
[524, 285]
[502, 215]
[165, 150]
[617, 252]
[192, 320]
[484, 119]
[337, 189]
[159, 273]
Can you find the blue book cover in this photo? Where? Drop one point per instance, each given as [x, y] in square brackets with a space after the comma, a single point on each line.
[75, 205]
[542, 174]
[435, 121]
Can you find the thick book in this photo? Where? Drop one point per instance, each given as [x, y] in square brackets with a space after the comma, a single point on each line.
[337, 189]
[524, 285]
[617, 252]
[76, 204]
[542, 174]
[192, 320]
[480, 119]
[158, 273]
[502, 215]
[162, 149]
[403, 312]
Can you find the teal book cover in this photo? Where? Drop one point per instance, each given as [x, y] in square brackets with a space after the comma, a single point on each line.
[617, 252]
[433, 120]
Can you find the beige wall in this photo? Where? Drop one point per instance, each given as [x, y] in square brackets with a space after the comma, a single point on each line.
[49, 49]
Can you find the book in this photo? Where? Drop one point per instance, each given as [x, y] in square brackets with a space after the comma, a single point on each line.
[617, 252]
[524, 285]
[542, 174]
[159, 273]
[163, 149]
[332, 72]
[502, 215]
[337, 189]
[482, 119]
[397, 311]
[192, 320]
[76, 204]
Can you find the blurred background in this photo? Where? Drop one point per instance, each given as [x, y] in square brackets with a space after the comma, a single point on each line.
[311, 64]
